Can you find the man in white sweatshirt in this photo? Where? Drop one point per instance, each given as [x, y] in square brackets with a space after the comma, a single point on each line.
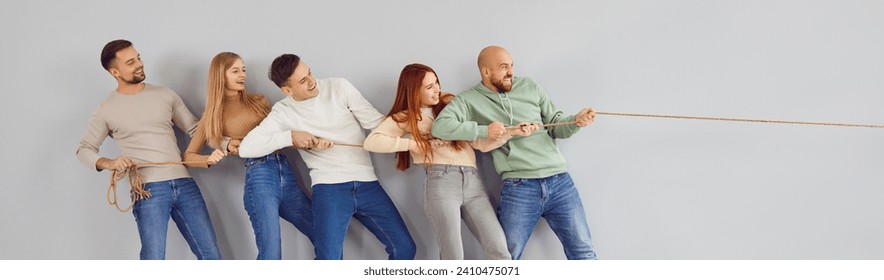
[315, 116]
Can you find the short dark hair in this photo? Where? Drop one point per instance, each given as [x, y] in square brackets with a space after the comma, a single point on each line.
[110, 51]
[282, 68]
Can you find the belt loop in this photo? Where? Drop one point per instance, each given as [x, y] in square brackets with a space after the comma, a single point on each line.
[447, 166]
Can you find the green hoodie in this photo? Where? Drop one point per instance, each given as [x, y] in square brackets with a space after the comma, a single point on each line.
[536, 156]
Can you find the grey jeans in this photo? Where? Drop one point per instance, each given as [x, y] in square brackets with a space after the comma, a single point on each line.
[452, 192]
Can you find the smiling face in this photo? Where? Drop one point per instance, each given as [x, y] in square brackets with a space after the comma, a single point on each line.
[429, 90]
[496, 67]
[301, 85]
[128, 67]
[235, 77]
[502, 78]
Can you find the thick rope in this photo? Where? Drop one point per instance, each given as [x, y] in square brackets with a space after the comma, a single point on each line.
[739, 120]
[715, 119]
[136, 183]
[348, 145]
[544, 125]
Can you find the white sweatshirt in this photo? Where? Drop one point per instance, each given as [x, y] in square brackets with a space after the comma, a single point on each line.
[338, 113]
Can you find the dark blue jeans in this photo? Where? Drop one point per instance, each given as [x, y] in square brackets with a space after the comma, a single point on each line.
[335, 204]
[271, 192]
[555, 198]
[181, 200]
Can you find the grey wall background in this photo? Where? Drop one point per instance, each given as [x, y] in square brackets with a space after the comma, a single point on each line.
[652, 188]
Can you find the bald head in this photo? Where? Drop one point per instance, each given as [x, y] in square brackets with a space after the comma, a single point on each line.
[496, 68]
[488, 54]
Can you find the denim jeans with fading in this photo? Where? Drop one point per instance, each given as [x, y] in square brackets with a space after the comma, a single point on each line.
[335, 204]
[272, 191]
[456, 192]
[181, 200]
[524, 201]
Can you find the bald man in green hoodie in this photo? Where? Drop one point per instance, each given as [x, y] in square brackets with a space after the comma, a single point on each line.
[535, 182]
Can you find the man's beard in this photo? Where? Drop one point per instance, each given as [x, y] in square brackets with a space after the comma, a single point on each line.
[135, 79]
[501, 88]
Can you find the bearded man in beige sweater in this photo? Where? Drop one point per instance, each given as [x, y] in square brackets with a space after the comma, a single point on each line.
[139, 117]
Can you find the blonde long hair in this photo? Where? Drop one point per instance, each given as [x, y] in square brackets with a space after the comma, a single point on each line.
[215, 94]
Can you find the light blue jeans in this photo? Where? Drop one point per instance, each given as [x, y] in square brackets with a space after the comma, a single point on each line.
[456, 192]
[335, 204]
[271, 192]
[181, 200]
[555, 198]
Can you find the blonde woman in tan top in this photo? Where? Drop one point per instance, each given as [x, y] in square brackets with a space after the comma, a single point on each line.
[271, 188]
[453, 187]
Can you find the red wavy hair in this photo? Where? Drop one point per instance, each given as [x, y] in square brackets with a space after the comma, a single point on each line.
[406, 110]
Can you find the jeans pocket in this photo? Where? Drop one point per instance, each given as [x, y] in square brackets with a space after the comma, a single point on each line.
[434, 174]
[255, 161]
[512, 182]
[150, 186]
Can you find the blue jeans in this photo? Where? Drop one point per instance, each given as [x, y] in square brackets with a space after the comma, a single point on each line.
[181, 199]
[555, 198]
[335, 204]
[271, 192]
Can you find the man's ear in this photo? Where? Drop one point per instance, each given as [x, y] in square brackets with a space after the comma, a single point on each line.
[485, 72]
[114, 72]
[286, 90]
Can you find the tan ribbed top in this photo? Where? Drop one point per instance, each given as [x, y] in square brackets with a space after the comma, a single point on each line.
[237, 120]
